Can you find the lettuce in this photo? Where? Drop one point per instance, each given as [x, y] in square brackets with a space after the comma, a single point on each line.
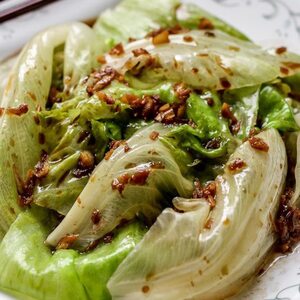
[29, 83]
[180, 256]
[67, 274]
[208, 125]
[244, 103]
[164, 90]
[189, 16]
[59, 189]
[78, 124]
[155, 177]
[116, 25]
[150, 177]
[293, 82]
[295, 200]
[274, 111]
[213, 60]
[292, 144]
[80, 54]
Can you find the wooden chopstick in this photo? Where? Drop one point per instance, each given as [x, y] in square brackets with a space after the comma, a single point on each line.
[21, 8]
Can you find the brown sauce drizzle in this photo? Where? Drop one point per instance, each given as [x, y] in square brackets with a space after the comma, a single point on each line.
[154, 135]
[96, 216]
[150, 107]
[237, 165]
[258, 144]
[161, 38]
[18, 111]
[100, 79]
[117, 50]
[85, 165]
[138, 178]
[188, 38]
[287, 223]
[67, 241]
[40, 171]
[281, 50]
[113, 146]
[182, 91]
[205, 24]
[207, 192]
[140, 51]
[226, 112]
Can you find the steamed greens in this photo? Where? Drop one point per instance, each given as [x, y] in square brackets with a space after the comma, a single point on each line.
[137, 156]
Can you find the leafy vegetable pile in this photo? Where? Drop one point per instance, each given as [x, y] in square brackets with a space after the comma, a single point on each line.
[137, 156]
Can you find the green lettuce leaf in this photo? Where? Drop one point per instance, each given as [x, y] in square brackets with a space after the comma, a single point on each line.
[81, 49]
[155, 178]
[180, 256]
[208, 125]
[210, 60]
[189, 16]
[164, 90]
[29, 269]
[116, 25]
[29, 82]
[60, 188]
[274, 111]
[59, 197]
[244, 103]
[79, 124]
[293, 82]
[38, 67]
[64, 125]
[57, 80]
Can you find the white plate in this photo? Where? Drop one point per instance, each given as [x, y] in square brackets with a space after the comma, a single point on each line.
[275, 22]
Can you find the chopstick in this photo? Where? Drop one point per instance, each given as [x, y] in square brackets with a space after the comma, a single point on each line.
[13, 8]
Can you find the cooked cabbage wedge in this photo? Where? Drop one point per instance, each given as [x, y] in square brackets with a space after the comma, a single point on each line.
[138, 156]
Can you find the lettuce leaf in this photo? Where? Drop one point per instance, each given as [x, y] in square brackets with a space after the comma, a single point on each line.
[81, 123]
[29, 83]
[212, 60]
[156, 177]
[67, 274]
[293, 82]
[116, 25]
[208, 125]
[164, 90]
[179, 245]
[274, 111]
[189, 16]
[180, 256]
[82, 47]
[244, 103]
[60, 188]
